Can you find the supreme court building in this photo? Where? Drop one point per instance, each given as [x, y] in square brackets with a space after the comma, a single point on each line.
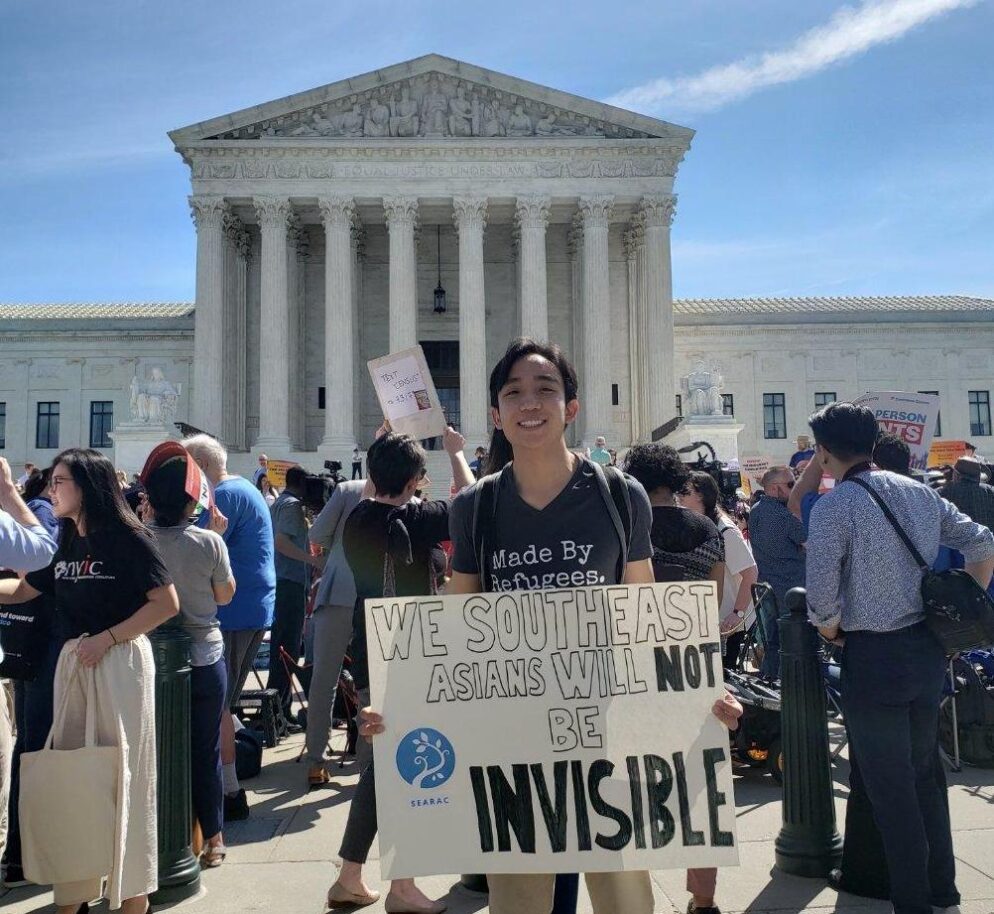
[327, 220]
[439, 203]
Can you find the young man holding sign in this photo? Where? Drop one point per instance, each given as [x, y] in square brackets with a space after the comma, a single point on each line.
[550, 520]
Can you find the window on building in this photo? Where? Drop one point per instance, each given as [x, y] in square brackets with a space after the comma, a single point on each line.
[980, 412]
[101, 423]
[728, 404]
[774, 416]
[321, 396]
[47, 426]
[679, 405]
[615, 399]
[938, 417]
[824, 397]
[3, 425]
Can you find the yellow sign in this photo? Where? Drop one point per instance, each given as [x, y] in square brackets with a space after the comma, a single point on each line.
[945, 453]
[276, 472]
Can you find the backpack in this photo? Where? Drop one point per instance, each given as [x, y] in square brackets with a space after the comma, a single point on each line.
[958, 611]
[614, 492]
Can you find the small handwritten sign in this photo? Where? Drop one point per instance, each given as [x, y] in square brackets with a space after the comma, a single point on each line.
[406, 392]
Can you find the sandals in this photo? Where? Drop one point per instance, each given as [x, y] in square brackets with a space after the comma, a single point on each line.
[318, 777]
[213, 856]
[341, 897]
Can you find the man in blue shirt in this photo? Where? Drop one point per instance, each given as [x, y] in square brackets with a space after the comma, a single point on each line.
[777, 540]
[249, 538]
[864, 588]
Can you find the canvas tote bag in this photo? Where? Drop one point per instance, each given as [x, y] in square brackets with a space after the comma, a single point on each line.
[69, 800]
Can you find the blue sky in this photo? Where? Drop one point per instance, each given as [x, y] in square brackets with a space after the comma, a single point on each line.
[855, 158]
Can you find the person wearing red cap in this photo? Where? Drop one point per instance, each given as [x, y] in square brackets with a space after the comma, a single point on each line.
[111, 587]
[198, 561]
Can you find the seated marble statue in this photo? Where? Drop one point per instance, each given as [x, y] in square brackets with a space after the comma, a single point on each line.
[377, 122]
[490, 124]
[519, 124]
[404, 120]
[461, 114]
[434, 109]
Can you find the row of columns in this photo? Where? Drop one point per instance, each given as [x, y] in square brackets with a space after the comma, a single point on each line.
[650, 309]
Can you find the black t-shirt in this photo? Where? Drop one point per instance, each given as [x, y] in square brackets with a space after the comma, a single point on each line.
[369, 532]
[685, 545]
[571, 542]
[101, 579]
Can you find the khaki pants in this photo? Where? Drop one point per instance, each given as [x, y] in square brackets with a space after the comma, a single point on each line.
[6, 757]
[611, 893]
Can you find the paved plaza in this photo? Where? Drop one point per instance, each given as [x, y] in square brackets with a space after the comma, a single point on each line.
[284, 858]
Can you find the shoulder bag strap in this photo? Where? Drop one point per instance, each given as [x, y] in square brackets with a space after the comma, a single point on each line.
[610, 495]
[898, 529]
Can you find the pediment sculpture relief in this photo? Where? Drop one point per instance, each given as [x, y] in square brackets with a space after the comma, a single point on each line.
[432, 107]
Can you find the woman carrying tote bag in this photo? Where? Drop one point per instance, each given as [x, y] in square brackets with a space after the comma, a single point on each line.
[110, 588]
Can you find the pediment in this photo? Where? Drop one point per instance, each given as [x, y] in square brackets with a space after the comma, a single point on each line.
[432, 98]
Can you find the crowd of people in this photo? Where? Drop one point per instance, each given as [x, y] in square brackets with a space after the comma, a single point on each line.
[101, 563]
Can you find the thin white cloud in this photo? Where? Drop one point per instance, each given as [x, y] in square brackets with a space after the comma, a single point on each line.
[850, 32]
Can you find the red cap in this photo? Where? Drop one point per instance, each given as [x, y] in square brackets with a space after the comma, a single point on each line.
[194, 486]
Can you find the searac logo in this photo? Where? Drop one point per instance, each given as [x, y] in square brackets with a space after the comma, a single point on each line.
[425, 758]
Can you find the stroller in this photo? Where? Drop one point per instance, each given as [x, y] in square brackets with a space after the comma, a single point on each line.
[966, 713]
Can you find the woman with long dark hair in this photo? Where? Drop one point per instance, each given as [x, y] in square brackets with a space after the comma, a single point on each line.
[543, 494]
[110, 588]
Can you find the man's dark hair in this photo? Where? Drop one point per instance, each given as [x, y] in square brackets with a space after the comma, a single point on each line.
[891, 453]
[37, 483]
[657, 466]
[296, 478]
[392, 462]
[845, 430]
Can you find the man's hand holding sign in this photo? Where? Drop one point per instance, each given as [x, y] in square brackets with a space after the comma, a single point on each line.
[551, 731]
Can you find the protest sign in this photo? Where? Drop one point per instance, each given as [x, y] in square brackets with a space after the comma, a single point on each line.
[276, 472]
[407, 393]
[910, 416]
[946, 453]
[755, 467]
[551, 731]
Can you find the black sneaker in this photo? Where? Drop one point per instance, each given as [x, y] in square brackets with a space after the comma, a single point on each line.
[693, 909]
[13, 876]
[236, 807]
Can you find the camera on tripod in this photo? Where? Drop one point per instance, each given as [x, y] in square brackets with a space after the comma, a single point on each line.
[729, 481]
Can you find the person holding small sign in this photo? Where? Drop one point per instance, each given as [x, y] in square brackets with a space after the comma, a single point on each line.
[568, 522]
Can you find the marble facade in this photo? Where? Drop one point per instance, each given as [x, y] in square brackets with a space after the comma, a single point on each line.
[317, 223]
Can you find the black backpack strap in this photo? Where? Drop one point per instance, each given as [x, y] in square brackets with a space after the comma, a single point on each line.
[484, 515]
[618, 501]
[898, 529]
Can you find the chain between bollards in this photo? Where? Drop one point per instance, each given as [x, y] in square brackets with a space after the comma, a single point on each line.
[179, 869]
[809, 843]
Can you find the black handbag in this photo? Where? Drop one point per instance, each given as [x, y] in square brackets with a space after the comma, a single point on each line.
[958, 610]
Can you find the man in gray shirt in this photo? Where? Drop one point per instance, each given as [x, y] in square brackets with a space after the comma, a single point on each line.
[864, 587]
[292, 562]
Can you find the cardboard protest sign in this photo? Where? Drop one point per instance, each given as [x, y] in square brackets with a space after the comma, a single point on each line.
[910, 416]
[946, 453]
[551, 731]
[276, 472]
[407, 393]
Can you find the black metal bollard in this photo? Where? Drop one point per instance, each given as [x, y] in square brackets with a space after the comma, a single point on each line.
[179, 869]
[809, 843]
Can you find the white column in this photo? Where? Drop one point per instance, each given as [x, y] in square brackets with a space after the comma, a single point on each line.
[337, 214]
[635, 338]
[402, 213]
[274, 336]
[208, 340]
[595, 385]
[470, 218]
[660, 399]
[533, 216]
[235, 345]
